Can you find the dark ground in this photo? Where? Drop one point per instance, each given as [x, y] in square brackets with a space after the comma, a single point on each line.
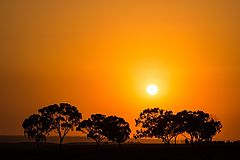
[81, 151]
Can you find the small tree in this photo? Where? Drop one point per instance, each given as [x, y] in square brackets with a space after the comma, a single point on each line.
[64, 117]
[116, 129]
[177, 127]
[157, 123]
[209, 129]
[36, 127]
[199, 125]
[189, 124]
[93, 127]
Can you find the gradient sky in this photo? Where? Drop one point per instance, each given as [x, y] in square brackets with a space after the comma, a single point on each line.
[100, 55]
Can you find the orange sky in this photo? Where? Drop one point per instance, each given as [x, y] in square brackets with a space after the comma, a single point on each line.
[101, 55]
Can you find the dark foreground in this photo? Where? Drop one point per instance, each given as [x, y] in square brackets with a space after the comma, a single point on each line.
[27, 151]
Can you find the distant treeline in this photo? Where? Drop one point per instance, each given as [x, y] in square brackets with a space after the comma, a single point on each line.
[195, 126]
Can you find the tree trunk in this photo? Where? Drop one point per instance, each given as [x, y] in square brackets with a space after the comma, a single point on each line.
[211, 139]
[191, 141]
[175, 142]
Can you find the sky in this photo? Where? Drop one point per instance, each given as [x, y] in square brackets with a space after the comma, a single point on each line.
[101, 55]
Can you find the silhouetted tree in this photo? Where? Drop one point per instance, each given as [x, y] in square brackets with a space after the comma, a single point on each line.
[93, 127]
[188, 123]
[209, 129]
[64, 117]
[116, 129]
[199, 125]
[36, 127]
[177, 127]
[157, 123]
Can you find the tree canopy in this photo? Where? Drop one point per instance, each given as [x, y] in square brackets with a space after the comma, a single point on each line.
[36, 127]
[152, 122]
[64, 117]
[93, 127]
[159, 123]
[116, 129]
[199, 125]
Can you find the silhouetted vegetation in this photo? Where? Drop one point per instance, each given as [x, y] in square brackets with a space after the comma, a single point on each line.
[93, 127]
[99, 127]
[36, 127]
[63, 117]
[157, 123]
[199, 125]
[195, 126]
[116, 129]
[165, 125]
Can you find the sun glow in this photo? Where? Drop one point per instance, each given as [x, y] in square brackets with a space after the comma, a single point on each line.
[152, 89]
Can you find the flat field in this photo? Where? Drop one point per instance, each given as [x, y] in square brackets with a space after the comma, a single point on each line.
[88, 151]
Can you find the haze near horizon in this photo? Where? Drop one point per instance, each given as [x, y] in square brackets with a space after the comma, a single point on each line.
[101, 55]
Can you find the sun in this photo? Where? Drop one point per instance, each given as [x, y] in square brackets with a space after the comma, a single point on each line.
[152, 89]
